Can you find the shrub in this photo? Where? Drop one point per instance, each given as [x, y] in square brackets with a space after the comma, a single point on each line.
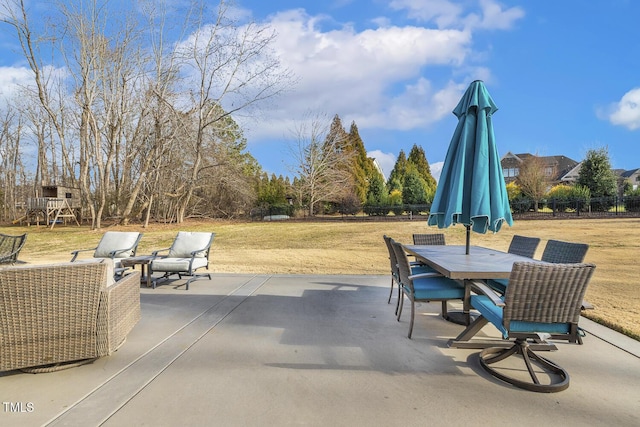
[632, 202]
[395, 200]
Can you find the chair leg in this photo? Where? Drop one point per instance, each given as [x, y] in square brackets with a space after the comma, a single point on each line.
[400, 304]
[413, 314]
[197, 276]
[391, 291]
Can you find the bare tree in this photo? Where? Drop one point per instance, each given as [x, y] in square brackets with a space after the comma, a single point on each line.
[230, 68]
[146, 112]
[10, 162]
[533, 179]
[319, 166]
[47, 92]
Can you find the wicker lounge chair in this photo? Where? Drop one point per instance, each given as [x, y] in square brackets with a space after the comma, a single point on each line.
[54, 317]
[542, 300]
[188, 253]
[424, 287]
[10, 247]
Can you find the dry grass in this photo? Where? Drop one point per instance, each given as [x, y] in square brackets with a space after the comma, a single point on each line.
[357, 248]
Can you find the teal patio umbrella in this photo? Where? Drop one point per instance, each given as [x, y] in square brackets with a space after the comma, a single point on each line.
[471, 190]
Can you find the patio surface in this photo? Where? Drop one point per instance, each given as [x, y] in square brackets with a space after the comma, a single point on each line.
[276, 350]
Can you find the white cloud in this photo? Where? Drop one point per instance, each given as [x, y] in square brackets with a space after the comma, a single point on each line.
[447, 14]
[443, 12]
[357, 74]
[436, 170]
[386, 161]
[494, 17]
[12, 79]
[626, 112]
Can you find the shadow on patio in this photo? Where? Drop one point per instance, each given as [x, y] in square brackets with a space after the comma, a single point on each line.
[312, 350]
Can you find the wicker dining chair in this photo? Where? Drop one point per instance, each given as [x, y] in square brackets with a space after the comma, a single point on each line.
[557, 251]
[541, 301]
[424, 287]
[520, 245]
[416, 268]
[429, 239]
[523, 246]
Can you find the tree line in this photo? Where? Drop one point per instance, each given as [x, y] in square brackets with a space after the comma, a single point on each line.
[597, 186]
[135, 107]
[333, 172]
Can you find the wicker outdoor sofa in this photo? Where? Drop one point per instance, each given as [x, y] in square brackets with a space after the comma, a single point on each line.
[57, 316]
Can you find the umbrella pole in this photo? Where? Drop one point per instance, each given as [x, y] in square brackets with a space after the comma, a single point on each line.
[468, 237]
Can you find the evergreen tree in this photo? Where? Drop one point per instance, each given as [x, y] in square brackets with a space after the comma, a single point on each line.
[272, 190]
[363, 170]
[340, 142]
[396, 177]
[414, 189]
[418, 159]
[377, 192]
[337, 138]
[596, 174]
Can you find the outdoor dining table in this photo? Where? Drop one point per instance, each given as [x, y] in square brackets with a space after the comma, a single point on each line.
[480, 264]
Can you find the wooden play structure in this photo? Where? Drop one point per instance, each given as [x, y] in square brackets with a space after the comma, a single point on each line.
[58, 204]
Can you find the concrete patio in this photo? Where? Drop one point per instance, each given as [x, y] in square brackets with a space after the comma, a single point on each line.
[253, 350]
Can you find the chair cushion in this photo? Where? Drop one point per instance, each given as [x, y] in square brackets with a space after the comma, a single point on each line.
[493, 314]
[115, 240]
[489, 311]
[187, 242]
[499, 285]
[110, 263]
[433, 288]
[177, 265]
[533, 327]
[419, 269]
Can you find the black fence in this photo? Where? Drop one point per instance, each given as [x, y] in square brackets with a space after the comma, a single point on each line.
[603, 207]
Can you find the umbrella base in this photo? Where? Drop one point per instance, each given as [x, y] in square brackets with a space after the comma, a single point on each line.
[460, 317]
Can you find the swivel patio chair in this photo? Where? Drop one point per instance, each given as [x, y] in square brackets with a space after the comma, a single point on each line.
[188, 252]
[114, 245]
[542, 300]
[425, 287]
[10, 247]
[520, 245]
[62, 315]
[416, 268]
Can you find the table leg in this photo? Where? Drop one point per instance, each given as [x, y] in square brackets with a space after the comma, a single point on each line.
[145, 274]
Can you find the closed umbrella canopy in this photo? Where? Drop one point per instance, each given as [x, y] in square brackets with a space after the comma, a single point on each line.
[471, 189]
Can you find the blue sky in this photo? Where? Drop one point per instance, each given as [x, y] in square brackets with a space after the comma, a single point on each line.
[564, 74]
